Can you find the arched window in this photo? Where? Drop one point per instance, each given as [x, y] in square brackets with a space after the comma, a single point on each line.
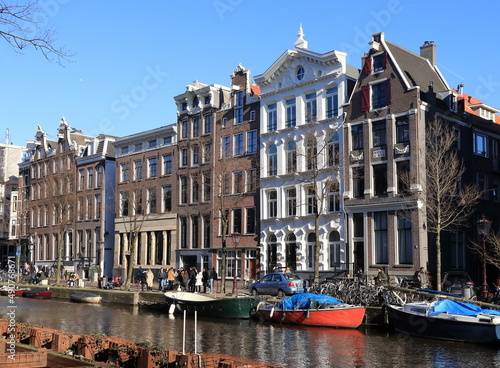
[311, 242]
[272, 252]
[291, 157]
[336, 255]
[291, 251]
[311, 153]
[272, 161]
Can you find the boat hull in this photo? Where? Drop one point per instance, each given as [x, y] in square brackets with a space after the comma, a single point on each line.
[240, 307]
[341, 317]
[86, 298]
[38, 293]
[15, 292]
[443, 327]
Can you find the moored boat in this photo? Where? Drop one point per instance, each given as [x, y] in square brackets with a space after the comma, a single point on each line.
[86, 297]
[240, 306]
[313, 310]
[39, 293]
[446, 319]
[12, 291]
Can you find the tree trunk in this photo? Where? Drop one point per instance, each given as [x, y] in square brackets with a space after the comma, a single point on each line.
[60, 245]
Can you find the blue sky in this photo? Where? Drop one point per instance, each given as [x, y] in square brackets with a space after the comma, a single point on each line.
[132, 58]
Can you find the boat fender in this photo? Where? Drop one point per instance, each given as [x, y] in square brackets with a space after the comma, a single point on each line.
[307, 313]
[271, 313]
[171, 309]
[260, 305]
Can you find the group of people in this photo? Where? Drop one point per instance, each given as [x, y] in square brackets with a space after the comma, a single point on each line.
[190, 279]
[420, 277]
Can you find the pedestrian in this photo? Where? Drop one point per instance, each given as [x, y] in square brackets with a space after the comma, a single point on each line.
[213, 279]
[149, 279]
[199, 281]
[170, 278]
[416, 280]
[162, 279]
[185, 279]
[422, 276]
[360, 275]
[192, 279]
[381, 278]
[138, 276]
[205, 279]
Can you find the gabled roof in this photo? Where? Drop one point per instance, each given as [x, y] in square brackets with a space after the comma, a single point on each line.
[415, 69]
[471, 106]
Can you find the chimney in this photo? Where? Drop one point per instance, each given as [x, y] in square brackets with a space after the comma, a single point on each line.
[428, 51]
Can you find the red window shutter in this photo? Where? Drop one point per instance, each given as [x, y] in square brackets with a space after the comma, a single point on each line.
[388, 91]
[367, 68]
[365, 98]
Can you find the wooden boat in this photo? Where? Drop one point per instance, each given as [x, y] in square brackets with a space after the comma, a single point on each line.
[39, 293]
[446, 319]
[224, 307]
[8, 291]
[313, 310]
[86, 297]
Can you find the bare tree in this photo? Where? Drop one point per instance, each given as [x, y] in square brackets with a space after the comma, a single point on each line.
[492, 255]
[448, 203]
[20, 26]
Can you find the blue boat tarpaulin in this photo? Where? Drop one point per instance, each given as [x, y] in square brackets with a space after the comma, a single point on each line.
[304, 301]
[463, 309]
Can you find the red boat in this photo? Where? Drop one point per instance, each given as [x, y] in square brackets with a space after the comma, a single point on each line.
[39, 293]
[15, 292]
[313, 310]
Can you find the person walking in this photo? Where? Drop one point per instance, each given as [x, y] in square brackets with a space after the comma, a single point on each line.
[162, 279]
[170, 278]
[205, 279]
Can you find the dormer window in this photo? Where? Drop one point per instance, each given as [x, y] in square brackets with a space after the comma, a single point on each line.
[184, 106]
[196, 102]
[208, 100]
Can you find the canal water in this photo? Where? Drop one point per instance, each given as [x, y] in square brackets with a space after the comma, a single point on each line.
[292, 346]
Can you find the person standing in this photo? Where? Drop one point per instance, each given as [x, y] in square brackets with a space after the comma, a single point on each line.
[192, 279]
[381, 278]
[213, 279]
[199, 281]
[170, 278]
[162, 279]
[149, 279]
[422, 276]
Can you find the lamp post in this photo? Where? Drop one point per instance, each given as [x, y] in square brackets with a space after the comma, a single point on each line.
[236, 240]
[483, 229]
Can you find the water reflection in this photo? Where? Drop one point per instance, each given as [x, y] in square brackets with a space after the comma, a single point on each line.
[294, 346]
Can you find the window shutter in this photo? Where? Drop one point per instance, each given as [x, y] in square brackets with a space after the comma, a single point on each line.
[367, 68]
[384, 62]
[388, 91]
[365, 98]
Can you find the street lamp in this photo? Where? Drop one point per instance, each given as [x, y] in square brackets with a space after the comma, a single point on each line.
[483, 229]
[236, 240]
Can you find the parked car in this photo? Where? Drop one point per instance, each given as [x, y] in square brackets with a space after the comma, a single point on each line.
[280, 284]
[459, 283]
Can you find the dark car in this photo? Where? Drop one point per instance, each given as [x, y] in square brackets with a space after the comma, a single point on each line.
[280, 284]
[459, 283]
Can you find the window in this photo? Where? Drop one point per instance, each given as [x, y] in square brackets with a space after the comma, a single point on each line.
[238, 181]
[311, 154]
[332, 102]
[272, 118]
[226, 184]
[357, 137]
[207, 152]
[238, 115]
[381, 246]
[334, 246]
[237, 213]
[291, 113]
[238, 144]
[403, 173]
[90, 174]
[333, 197]
[405, 247]
[184, 157]
[272, 161]
[183, 226]
[167, 198]
[482, 185]
[208, 100]
[272, 203]
[138, 170]
[457, 246]
[152, 143]
[226, 146]
[252, 141]
[138, 147]
[250, 220]
[381, 94]
[206, 187]
[252, 115]
[358, 182]
[152, 167]
[152, 200]
[81, 182]
[333, 150]
[291, 157]
[291, 202]
[480, 145]
[379, 62]
[196, 155]
[167, 141]
[311, 245]
[207, 124]
[196, 127]
[184, 106]
[311, 201]
[167, 164]
[196, 102]
[380, 179]
[300, 73]
[238, 98]
[184, 129]
[194, 232]
[138, 202]
[379, 133]
[195, 188]
[403, 129]
[124, 172]
[206, 231]
[184, 189]
[124, 203]
[251, 180]
[311, 107]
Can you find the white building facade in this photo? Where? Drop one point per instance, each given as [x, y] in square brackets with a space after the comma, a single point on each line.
[303, 93]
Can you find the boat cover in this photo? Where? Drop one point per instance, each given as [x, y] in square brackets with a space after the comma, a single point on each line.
[307, 301]
[463, 309]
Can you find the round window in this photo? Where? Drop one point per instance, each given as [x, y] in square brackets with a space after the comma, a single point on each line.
[300, 73]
